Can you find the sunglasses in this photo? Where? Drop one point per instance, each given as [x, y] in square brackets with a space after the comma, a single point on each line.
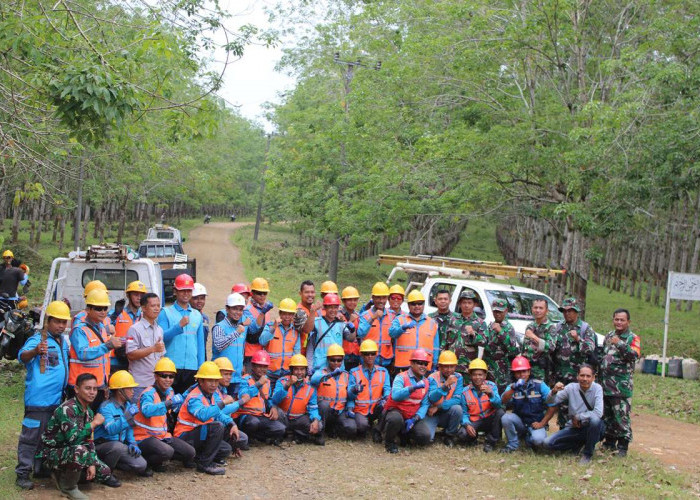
[167, 375]
[420, 363]
[255, 292]
[99, 308]
[416, 303]
[335, 360]
[7, 258]
[369, 353]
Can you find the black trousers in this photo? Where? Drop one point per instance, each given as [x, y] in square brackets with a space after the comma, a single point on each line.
[184, 379]
[394, 424]
[158, 451]
[491, 425]
[208, 441]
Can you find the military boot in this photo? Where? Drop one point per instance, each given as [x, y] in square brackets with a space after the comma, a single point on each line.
[622, 445]
[24, 482]
[67, 481]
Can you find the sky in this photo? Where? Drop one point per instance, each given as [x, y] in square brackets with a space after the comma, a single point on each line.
[252, 80]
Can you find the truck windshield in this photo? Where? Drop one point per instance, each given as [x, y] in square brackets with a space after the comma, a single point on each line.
[114, 279]
[520, 304]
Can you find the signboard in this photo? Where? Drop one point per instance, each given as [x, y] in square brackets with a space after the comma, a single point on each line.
[682, 286]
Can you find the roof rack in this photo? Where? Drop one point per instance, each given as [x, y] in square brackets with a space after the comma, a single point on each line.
[104, 253]
[450, 266]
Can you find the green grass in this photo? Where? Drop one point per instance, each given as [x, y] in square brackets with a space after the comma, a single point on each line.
[668, 397]
[11, 394]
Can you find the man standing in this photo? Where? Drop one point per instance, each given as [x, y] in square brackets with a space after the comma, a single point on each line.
[198, 301]
[11, 277]
[584, 427]
[47, 368]
[350, 297]
[369, 390]
[328, 330]
[444, 318]
[126, 312]
[414, 331]
[539, 340]
[306, 310]
[396, 296]
[501, 345]
[445, 410]
[281, 340]
[183, 333]
[622, 349]
[375, 323]
[68, 448]
[467, 333]
[145, 345]
[258, 309]
[229, 336]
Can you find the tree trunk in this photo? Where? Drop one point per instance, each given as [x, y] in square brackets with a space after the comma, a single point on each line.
[86, 226]
[62, 233]
[42, 209]
[15, 218]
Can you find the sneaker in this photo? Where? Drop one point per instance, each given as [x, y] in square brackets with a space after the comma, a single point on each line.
[392, 448]
[148, 472]
[488, 447]
[507, 450]
[585, 460]
[376, 435]
[112, 482]
[24, 482]
[449, 441]
[212, 470]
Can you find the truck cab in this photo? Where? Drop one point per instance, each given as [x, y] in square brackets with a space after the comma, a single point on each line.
[164, 232]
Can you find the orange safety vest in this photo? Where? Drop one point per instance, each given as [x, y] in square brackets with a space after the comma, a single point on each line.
[249, 348]
[414, 338]
[256, 404]
[124, 322]
[437, 377]
[281, 348]
[372, 389]
[156, 426]
[99, 367]
[379, 332]
[185, 420]
[295, 405]
[478, 407]
[352, 348]
[335, 391]
[408, 407]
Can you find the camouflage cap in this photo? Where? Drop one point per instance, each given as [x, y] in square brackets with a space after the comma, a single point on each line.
[569, 303]
[499, 305]
[466, 294]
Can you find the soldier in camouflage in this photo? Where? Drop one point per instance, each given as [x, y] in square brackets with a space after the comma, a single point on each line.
[68, 447]
[622, 349]
[539, 340]
[467, 333]
[443, 316]
[501, 345]
[574, 343]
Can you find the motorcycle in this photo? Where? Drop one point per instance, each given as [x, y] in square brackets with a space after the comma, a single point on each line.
[233, 218]
[207, 219]
[16, 326]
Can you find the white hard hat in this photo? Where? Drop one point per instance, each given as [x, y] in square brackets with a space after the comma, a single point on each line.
[198, 290]
[235, 299]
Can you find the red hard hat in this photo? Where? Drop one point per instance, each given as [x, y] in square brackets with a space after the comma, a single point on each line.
[184, 282]
[331, 299]
[519, 363]
[420, 355]
[240, 288]
[261, 358]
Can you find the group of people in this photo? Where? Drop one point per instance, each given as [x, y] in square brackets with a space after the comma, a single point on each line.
[134, 388]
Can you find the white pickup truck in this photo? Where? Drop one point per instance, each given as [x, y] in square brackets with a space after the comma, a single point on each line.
[114, 265]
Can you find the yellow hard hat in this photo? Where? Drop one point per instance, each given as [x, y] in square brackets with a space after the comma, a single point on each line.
[369, 345]
[298, 360]
[380, 289]
[8, 253]
[350, 292]
[136, 286]
[288, 305]
[334, 350]
[208, 370]
[165, 365]
[329, 287]
[447, 358]
[397, 289]
[58, 309]
[97, 298]
[122, 380]
[260, 285]
[93, 285]
[224, 364]
[415, 296]
[478, 364]
[22, 304]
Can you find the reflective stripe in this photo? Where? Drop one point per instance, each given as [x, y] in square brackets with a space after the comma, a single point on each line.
[187, 422]
[148, 427]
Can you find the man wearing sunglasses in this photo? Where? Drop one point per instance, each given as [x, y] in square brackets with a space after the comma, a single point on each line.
[331, 385]
[91, 345]
[145, 344]
[414, 331]
[375, 322]
[369, 390]
[408, 404]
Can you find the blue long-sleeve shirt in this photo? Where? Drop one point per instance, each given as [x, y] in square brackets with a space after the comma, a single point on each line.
[43, 390]
[438, 392]
[395, 331]
[202, 412]
[494, 399]
[116, 427]
[401, 393]
[184, 345]
[268, 334]
[386, 387]
[281, 393]
[80, 343]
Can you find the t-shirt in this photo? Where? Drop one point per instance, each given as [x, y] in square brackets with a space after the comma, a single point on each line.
[144, 334]
[10, 280]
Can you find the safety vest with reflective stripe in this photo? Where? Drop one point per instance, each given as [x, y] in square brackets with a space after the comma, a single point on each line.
[372, 388]
[281, 347]
[379, 332]
[124, 322]
[296, 401]
[334, 390]
[252, 348]
[351, 348]
[408, 407]
[156, 426]
[437, 377]
[99, 367]
[185, 420]
[420, 336]
[256, 404]
[478, 407]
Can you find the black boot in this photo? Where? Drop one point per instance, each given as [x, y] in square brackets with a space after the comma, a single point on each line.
[622, 445]
[24, 482]
[609, 444]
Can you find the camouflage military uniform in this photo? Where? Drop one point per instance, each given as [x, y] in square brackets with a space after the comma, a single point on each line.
[445, 322]
[616, 370]
[465, 346]
[538, 353]
[568, 355]
[67, 442]
[501, 347]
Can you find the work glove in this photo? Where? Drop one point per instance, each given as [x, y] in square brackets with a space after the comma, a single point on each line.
[358, 388]
[134, 450]
[132, 409]
[350, 327]
[416, 386]
[350, 413]
[519, 384]
[336, 372]
[380, 404]
[267, 307]
[177, 399]
[299, 320]
[118, 308]
[409, 423]
[407, 326]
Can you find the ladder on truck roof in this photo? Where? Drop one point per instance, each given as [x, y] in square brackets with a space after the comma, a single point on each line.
[104, 253]
[463, 268]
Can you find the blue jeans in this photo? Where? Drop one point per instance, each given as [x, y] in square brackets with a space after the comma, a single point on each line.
[515, 428]
[572, 438]
[448, 420]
